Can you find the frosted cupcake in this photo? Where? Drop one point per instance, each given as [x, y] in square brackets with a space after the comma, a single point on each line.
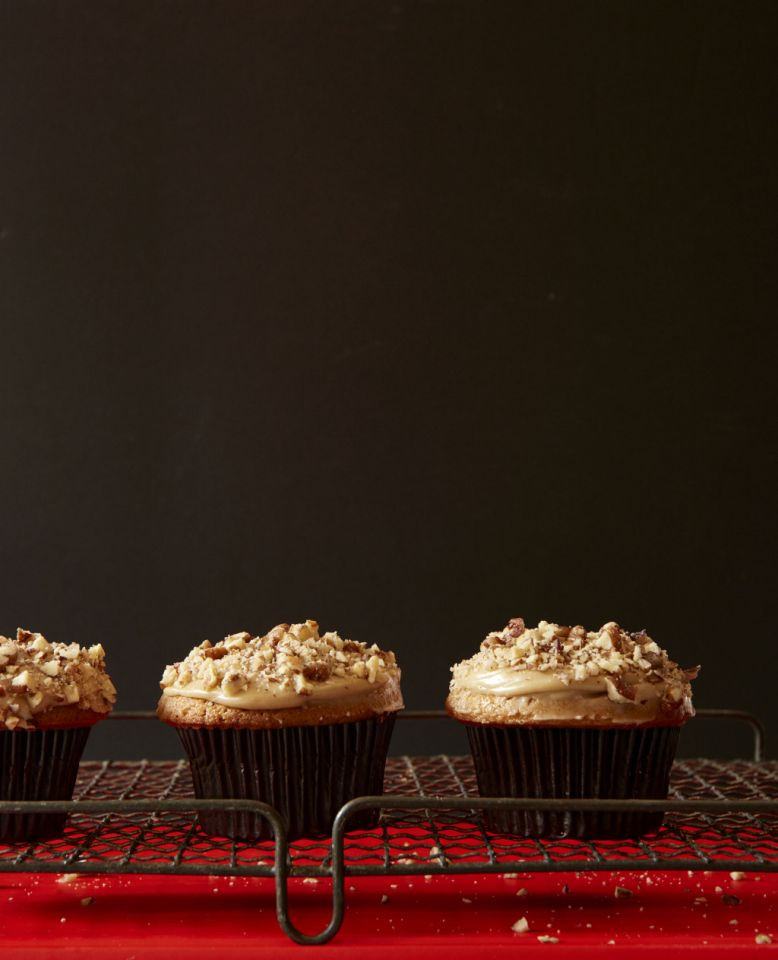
[51, 695]
[564, 712]
[297, 719]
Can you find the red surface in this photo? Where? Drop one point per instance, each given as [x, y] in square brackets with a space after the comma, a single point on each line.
[152, 917]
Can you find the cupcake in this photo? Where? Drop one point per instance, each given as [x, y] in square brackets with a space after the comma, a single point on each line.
[561, 712]
[297, 719]
[51, 694]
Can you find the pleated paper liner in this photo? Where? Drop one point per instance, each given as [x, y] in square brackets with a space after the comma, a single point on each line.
[573, 762]
[38, 765]
[306, 773]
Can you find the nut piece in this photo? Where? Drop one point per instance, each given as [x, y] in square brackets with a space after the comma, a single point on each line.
[521, 925]
[317, 672]
[215, 653]
[621, 893]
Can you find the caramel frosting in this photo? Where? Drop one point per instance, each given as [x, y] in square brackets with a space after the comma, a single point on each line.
[292, 666]
[556, 674]
[37, 676]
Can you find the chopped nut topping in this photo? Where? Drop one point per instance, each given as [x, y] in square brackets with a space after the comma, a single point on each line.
[36, 675]
[293, 657]
[572, 654]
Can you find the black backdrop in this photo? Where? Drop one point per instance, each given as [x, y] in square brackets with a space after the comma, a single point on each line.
[408, 317]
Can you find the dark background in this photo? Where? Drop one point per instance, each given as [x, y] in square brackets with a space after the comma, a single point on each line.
[407, 317]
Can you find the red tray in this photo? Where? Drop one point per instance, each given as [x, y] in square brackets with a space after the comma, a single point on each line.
[152, 917]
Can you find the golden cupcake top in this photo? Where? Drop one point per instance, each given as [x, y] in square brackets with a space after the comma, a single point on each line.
[553, 672]
[37, 676]
[291, 664]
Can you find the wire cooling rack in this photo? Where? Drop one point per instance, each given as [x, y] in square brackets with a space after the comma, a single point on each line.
[140, 817]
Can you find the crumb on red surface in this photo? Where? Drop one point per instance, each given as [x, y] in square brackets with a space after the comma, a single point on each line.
[150, 916]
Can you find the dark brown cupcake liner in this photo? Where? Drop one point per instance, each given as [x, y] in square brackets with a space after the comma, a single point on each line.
[38, 765]
[573, 762]
[306, 773]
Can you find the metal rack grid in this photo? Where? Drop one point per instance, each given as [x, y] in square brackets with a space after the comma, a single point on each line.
[140, 817]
